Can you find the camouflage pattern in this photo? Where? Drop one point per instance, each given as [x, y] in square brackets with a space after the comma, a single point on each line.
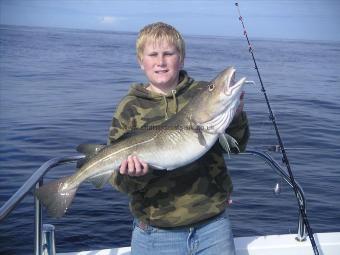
[187, 195]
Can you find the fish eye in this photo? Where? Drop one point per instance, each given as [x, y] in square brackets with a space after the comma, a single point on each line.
[211, 86]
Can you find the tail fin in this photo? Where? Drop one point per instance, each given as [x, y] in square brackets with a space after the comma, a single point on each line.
[54, 199]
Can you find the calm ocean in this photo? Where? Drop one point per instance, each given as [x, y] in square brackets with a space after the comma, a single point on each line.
[60, 87]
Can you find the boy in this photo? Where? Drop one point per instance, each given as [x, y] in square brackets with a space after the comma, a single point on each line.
[182, 211]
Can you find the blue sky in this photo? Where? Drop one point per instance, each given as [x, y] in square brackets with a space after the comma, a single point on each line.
[288, 19]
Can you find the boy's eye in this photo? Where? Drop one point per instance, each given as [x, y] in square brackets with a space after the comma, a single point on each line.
[155, 54]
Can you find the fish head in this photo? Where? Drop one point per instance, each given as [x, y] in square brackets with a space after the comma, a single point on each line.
[218, 102]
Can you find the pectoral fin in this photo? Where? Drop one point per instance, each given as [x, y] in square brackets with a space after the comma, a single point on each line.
[198, 130]
[201, 138]
[228, 142]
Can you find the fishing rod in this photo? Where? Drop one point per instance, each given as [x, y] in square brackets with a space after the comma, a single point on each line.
[282, 148]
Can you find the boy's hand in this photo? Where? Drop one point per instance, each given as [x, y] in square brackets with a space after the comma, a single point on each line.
[133, 166]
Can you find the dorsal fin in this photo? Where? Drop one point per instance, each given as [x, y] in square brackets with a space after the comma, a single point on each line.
[89, 150]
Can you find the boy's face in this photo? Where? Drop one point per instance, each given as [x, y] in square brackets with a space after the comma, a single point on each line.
[161, 63]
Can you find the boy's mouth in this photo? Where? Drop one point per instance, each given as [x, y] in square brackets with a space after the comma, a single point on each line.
[161, 71]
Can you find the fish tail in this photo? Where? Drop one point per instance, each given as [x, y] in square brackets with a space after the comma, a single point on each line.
[55, 197]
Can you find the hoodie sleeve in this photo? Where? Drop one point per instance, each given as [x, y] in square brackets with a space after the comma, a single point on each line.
[122, 122]
[239, 129]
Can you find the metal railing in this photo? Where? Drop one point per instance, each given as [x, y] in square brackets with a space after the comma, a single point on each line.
[36, 180]
[301, 230]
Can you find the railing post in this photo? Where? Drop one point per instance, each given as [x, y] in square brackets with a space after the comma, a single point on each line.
[38, 223]
[48, 240]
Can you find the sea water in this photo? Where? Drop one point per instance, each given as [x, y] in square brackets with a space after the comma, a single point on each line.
[60, 87]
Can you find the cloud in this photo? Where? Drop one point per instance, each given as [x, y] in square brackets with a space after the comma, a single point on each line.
[109, 20]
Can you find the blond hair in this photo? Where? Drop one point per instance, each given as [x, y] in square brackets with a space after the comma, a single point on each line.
[159, 32]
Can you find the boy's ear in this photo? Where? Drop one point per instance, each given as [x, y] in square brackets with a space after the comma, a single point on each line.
[140, 64]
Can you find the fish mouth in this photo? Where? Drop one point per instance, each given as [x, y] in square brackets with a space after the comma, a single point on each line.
[230, 83]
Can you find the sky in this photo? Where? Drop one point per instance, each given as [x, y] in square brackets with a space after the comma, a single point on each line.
[275, 19]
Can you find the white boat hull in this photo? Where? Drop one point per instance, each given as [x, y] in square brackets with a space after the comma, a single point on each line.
[328, 244]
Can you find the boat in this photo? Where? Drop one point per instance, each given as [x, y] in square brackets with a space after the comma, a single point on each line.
[281, 244]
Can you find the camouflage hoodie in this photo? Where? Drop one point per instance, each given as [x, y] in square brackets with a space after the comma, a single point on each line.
[184, 196]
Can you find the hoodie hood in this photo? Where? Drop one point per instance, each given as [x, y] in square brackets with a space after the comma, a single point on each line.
[139, 89]
[169, 101]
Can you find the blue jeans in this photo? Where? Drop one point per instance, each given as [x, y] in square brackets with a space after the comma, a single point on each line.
[213, 237]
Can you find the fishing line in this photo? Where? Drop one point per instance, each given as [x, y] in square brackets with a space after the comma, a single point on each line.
[282, 148]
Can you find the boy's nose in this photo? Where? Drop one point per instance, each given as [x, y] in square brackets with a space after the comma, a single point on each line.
[160, 61]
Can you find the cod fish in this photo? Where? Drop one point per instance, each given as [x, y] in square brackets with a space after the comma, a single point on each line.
[182, 139]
